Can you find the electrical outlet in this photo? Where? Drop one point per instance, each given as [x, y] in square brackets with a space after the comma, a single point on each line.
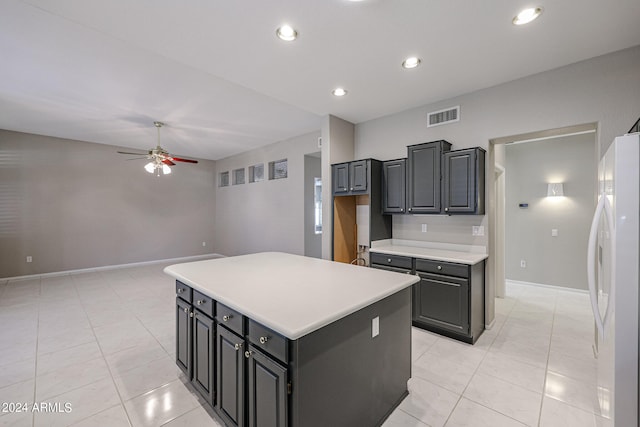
[554, 232]
[29, 258]
[523, 263]
[424, 228]
[375, 326]
[204, 244]
[477, 230]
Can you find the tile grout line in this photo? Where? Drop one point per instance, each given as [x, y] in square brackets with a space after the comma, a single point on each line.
[105, 362]
[35, 373]
[474, 374]
[546, 369]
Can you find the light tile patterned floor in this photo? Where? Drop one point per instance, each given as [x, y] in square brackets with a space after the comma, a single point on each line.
[103, 342]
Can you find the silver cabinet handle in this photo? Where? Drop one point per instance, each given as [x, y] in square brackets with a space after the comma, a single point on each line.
[263, 340]
[200, 302]
[180, 290]
[388, 259]
[439, 267]
[446, 209]
[227, 317]
[191, 314]
[238, 346]
[248, 353]
[401, 210]
[186, 309]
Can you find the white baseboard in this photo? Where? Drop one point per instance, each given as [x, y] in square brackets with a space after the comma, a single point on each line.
[490, 325]
[542, 285]
[112, 267]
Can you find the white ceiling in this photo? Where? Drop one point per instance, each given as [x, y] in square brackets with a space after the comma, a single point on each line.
[216, 74]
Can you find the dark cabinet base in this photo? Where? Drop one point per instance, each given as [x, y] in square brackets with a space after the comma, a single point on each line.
[450, 306]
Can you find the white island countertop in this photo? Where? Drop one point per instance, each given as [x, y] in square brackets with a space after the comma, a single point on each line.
[291, 294]
[462, 254]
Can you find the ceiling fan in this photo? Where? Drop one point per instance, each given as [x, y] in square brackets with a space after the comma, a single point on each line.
[160, 159]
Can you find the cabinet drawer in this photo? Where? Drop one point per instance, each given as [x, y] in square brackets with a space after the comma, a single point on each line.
[229, 318]
[391, 260]
[183, 291]
[203, 303]
[441, 267]
[268, 341]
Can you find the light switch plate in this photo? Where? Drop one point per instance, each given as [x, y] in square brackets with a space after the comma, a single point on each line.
[424, 228]
[375, 326]
[554, 232]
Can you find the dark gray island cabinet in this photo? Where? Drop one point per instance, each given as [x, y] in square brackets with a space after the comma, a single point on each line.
[336, 355]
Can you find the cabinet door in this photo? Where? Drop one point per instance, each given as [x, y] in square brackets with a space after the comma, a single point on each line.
[230, 372]
[443, 302]
[358, 176]
[459, 182]
[203, 355]
[267, 396]
[424, 178]
[183, 336]
[340, 178]
[393, 186]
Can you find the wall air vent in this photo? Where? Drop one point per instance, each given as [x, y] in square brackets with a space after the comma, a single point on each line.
[437, 118]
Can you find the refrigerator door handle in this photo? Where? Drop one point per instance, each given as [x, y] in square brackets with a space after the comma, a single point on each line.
[603, 206]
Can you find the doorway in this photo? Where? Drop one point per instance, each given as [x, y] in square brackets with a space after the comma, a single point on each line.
[537, 238]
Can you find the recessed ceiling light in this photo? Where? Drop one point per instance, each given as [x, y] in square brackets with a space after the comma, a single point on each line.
[339, 91]
[287, 33]
[527, 15]
[411, 62]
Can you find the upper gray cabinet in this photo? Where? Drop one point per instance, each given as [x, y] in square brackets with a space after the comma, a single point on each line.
[394, 186]
[424, 177]
[351, 177]
[358, 176]
[340, 178]
[463, 182]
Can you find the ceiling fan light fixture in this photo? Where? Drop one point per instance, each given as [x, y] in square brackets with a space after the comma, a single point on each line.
[286, 33]
[166, 169]
[527, 15]
[411, 62]
[150, 167]
[339, 92]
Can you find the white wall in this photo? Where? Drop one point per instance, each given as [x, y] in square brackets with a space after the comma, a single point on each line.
[561, 260]
[603, 90]
[73, 205]
[266, 215]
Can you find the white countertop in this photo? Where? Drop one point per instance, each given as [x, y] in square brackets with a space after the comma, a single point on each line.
[439, 252]
[291, 294]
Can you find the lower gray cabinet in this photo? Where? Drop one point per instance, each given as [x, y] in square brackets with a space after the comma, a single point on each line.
[449, 299]
[183, 335]
[443, 303]
[230, 371]
[203, 355]
[267, 390]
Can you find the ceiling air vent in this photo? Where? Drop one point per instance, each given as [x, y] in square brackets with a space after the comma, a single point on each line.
[437, 118]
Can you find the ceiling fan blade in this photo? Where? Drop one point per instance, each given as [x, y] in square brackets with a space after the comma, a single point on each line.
[138, 158]
[168, 162]
[178, 159]
[135, 154]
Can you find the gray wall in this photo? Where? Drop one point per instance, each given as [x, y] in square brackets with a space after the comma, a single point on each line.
[267, 215]
[312, 241]
[73, 205]
[605, 90]
[559, 261]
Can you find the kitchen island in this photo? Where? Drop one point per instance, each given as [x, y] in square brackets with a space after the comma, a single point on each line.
[274, 339]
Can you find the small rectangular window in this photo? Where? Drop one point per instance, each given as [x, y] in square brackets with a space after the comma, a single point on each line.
[278, 169]
[238, 176]
[224, 179]
[256, 172]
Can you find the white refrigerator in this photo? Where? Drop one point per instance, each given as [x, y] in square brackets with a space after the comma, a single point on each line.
[613, 259]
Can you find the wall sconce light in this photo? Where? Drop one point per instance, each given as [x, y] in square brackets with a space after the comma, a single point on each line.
[555, 190]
